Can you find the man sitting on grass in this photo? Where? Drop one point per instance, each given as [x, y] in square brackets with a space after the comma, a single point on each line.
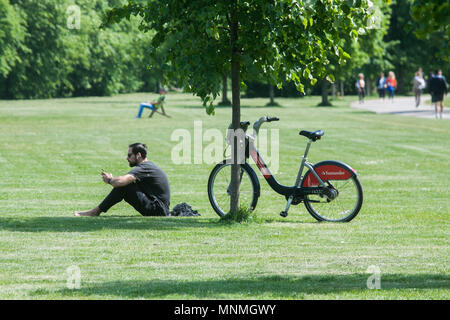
[154, 105]
[145, 187]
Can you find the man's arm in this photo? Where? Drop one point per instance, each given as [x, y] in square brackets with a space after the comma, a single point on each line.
[121, 181]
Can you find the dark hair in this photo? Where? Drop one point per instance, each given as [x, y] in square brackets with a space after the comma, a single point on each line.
[139, 148]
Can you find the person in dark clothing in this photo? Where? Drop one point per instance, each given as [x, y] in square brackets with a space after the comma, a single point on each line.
[145, 187]
[381, 86]
[438, 86]
[430, 76]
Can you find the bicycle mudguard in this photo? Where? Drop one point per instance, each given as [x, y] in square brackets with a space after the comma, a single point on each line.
[328, 170]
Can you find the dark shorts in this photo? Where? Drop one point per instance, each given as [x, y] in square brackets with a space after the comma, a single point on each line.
[437, 97]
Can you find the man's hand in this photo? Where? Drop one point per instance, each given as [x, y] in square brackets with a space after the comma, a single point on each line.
[117, 181]
[106, 177]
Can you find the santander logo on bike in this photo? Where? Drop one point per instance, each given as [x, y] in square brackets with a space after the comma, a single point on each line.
[339, 173]
[327, 172]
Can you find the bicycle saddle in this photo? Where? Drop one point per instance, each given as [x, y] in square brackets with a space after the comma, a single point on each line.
[316, 135]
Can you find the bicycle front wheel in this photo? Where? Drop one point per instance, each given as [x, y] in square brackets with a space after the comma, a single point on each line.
[219, 184]
[342, 209]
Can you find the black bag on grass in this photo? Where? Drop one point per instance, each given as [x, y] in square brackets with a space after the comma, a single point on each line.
[183, 210]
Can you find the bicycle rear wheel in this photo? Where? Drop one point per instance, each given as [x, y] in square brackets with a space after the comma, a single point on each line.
[219, 188]
[343, 208]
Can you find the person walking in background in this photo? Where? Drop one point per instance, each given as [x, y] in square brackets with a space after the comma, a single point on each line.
[438, 86]
[381, 86]
[418, 86]
[391, 85]
[360, 86]
[428, 81]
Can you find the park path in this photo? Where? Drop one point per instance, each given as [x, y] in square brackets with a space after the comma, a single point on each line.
[404, 106]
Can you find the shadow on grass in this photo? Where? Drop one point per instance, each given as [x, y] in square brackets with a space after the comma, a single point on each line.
[360, 111]
[88, 224]
[229, 107]
[267, 286]
[412, 111]
[108, 102]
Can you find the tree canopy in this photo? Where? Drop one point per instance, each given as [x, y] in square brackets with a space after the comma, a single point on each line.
[42, 56]
[12, 34]
[278, 41]
[433, 18]
[287, 40]
[407, 52]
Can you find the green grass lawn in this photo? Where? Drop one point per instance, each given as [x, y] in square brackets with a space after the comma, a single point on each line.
[52, 151]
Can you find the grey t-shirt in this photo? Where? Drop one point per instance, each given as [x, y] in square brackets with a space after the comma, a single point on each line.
[152, 181]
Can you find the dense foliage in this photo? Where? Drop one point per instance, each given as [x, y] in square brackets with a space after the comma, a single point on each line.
[285, 40]
[410, 52]
[44, 52]
[42, 56]
[433, 19]
[12, 34]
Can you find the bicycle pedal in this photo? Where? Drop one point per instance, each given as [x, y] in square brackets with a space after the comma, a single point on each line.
[284, 214]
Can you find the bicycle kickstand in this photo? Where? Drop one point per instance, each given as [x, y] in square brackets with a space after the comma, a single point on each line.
[284, 213]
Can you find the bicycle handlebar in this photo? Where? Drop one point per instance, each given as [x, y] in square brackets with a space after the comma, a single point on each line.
[261, 120]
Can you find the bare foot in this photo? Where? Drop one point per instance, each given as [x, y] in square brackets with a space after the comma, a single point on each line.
[90, 213]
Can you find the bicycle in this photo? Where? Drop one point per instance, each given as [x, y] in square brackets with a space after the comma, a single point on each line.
[330, 190]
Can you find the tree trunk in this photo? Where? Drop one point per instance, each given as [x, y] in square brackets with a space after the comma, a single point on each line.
[399, 77]
[225, 101]
[333, 87]
[271, 94]
[236, 110]
[342, 88]
[325, 101]
[368, 89]
[324, 91]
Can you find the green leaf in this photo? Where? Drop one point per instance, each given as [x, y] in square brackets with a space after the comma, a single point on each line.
[304, 21]
[210, 109]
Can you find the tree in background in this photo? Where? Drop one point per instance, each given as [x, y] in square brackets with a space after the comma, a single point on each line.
[433, 19]
[410, 52]
[41, 56]
[225, 101]
[12, 35]
[366, 53]
[42, 64]
[287, 40]
[369, 53]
